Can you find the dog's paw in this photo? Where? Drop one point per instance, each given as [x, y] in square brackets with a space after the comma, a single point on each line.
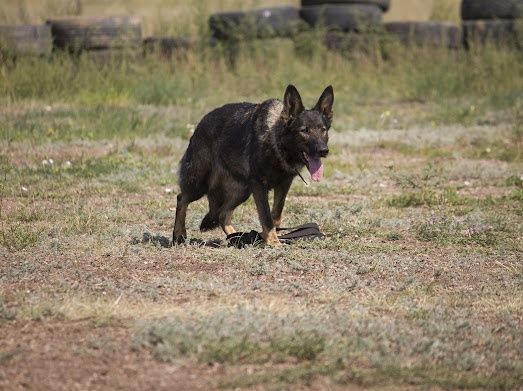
[271, 238]
[273, 243]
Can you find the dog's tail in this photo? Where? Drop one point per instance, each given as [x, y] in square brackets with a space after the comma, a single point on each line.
[209, 222]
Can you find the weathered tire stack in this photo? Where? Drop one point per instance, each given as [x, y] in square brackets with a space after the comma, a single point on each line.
[344, 15]
[347, 22]
[25, 40]
[260, 23]
[497, 22]
[426, 34]
[101, 37]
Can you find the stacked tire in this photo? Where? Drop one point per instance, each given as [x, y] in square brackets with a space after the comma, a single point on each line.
[260, 23]
[101, 37]
[348, 23]
[344, 15]
[25, 40]
[426, 34]
[497, 22]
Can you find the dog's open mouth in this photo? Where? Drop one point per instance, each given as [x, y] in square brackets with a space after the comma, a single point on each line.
[315, 167]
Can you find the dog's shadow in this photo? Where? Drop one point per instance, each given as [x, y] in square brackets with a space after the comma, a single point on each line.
[164, 241]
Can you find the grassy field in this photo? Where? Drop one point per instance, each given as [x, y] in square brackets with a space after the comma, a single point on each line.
[418, 284]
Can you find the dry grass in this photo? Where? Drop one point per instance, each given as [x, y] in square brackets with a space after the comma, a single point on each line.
[406, 289]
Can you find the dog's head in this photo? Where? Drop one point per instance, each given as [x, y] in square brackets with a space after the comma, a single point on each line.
[309, 128]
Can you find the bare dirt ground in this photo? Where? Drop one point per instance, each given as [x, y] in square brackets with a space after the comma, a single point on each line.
[418, 285]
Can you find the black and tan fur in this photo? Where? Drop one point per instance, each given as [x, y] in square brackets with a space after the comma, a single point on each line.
[244, 148]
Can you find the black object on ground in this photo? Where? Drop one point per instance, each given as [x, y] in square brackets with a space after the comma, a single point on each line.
[253, 238]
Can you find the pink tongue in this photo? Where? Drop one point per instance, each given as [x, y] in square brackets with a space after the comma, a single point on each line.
[316, 169]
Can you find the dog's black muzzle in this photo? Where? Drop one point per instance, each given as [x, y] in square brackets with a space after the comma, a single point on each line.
[322, 151]
[317, 152]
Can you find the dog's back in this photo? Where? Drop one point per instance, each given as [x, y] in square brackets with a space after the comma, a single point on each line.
[222, 140]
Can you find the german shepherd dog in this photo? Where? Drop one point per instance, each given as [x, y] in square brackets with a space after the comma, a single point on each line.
[243, 148]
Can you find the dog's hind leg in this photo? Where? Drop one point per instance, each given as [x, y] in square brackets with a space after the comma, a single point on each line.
[179, 232]
[236, 198]
[194, 172]
[226, 222]
[209, 223]
[211, 220]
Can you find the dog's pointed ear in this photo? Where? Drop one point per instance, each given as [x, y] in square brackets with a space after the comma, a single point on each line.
[292, 104]
[325, 103]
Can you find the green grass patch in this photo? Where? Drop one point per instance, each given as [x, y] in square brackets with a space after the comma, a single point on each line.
[508, 150]
[5, 356]
[514, 180]
[517, 195]
[170, 340]
[6, 314]
[300, 373]
[340, 344]
[18, 236]
[428, 197]
[472, 229]
[49, 179]
[405, 149]
[86, 122]
[104, 97]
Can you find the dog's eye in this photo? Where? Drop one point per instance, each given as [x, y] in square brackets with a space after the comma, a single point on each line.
[324, 129]
[304, 129]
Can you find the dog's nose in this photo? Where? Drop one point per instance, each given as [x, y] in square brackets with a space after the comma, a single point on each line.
[323, 151]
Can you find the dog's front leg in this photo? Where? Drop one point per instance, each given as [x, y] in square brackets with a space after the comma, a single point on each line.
[280, 194]
[261, 198]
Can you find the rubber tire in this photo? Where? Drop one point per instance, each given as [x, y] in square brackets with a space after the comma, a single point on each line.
[383, 4]
[261, 23]
[496, 32]
[427, 34]
[26, 40]
[352, 17]
[88, 33]
[491, 9]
